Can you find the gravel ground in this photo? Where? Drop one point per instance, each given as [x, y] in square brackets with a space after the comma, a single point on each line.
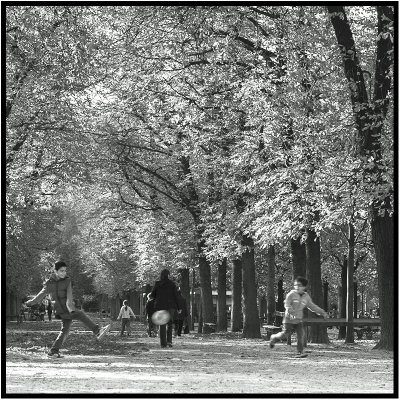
[209, 364]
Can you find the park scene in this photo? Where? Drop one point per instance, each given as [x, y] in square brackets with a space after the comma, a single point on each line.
[199, 200]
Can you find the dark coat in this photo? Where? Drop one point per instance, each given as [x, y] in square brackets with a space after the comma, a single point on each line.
[165, 295]
[150, 307]
[182, 306]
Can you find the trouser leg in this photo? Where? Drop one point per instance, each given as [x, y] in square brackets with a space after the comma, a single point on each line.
[169, 326]
[180, 325]
[65, 328]
[128, 326]
[81, 316]
[300, 337]
[283, 335]
[123, 323]
[163, 335]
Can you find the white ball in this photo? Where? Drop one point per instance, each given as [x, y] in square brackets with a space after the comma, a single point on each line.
[160, 317]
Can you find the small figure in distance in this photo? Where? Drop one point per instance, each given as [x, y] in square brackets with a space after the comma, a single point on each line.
[60, 289]
[49, 309]
[295, 302]
[125, 314]
[180, 317]
[151, 328]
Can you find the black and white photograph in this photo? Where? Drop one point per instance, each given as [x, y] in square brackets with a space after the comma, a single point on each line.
[200, 199]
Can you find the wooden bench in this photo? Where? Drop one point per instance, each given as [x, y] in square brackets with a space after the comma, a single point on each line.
[209, 327]
[360, 325]
[272, 329]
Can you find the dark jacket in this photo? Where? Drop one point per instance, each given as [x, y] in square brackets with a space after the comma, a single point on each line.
[59, 290]
[150, 308]
[165, 295]
[182, 306]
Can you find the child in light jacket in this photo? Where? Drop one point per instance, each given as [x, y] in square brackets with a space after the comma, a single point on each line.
[295, 302]
[126, 313]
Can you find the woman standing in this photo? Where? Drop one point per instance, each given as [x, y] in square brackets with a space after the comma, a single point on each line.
[126, 313]
[165, 295]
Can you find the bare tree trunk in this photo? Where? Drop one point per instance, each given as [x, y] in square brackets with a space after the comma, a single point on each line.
[236, 313]
[298, 257]
[350, 286]
[343, 297]
[185, 290]
[193, 303]
[383, 234]
[318, 333]
[222, 322]
[206, 292]
[251, 323]
[355, 291]
[326, 296]
[271, 306]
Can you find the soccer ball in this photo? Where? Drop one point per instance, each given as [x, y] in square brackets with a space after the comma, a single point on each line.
[160, 317]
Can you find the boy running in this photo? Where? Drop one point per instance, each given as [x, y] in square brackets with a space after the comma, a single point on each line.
[60, 288]
[295, 302]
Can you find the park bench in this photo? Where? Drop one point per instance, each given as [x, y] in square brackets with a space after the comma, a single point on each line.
[271, 329]
[209, 327]
[361, 325]
[367, 330]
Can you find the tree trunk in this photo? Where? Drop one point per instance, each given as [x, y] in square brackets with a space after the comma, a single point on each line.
[205, 285]
[193, 302]
[185, 290]
[236, 313]
[343, 297]
[271, 307]
[251, 323]
[326, 296]
[313, 256]
[298, 257]
[350, 286]
[200, 313]
[280, 303]
[355, 308]
[222, 322]
[263, 307]
[383, 234]
[8, 305]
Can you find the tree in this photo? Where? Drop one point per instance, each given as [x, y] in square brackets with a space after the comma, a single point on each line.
[370, 114]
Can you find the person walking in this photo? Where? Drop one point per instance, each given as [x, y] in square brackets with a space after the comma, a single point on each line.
[180, 317]
[125, 314]
[149, 313]
[49, 309]
[165, 295]
[295, 302]
[59, 287]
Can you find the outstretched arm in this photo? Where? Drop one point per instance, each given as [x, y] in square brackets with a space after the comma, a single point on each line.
[38, 298]
[318, 310]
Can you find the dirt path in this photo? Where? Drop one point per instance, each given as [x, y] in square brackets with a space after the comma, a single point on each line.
[196, 364]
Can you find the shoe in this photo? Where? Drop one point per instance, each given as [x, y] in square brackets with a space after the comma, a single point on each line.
[103, 331]
[300, 355]
[272, 343]
[169, 344]
[54, 354]
[163, 346]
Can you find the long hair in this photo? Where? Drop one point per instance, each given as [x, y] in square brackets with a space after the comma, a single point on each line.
[126, 304]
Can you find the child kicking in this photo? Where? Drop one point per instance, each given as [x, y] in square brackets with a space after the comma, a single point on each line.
[60, 288]
[295, 302]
